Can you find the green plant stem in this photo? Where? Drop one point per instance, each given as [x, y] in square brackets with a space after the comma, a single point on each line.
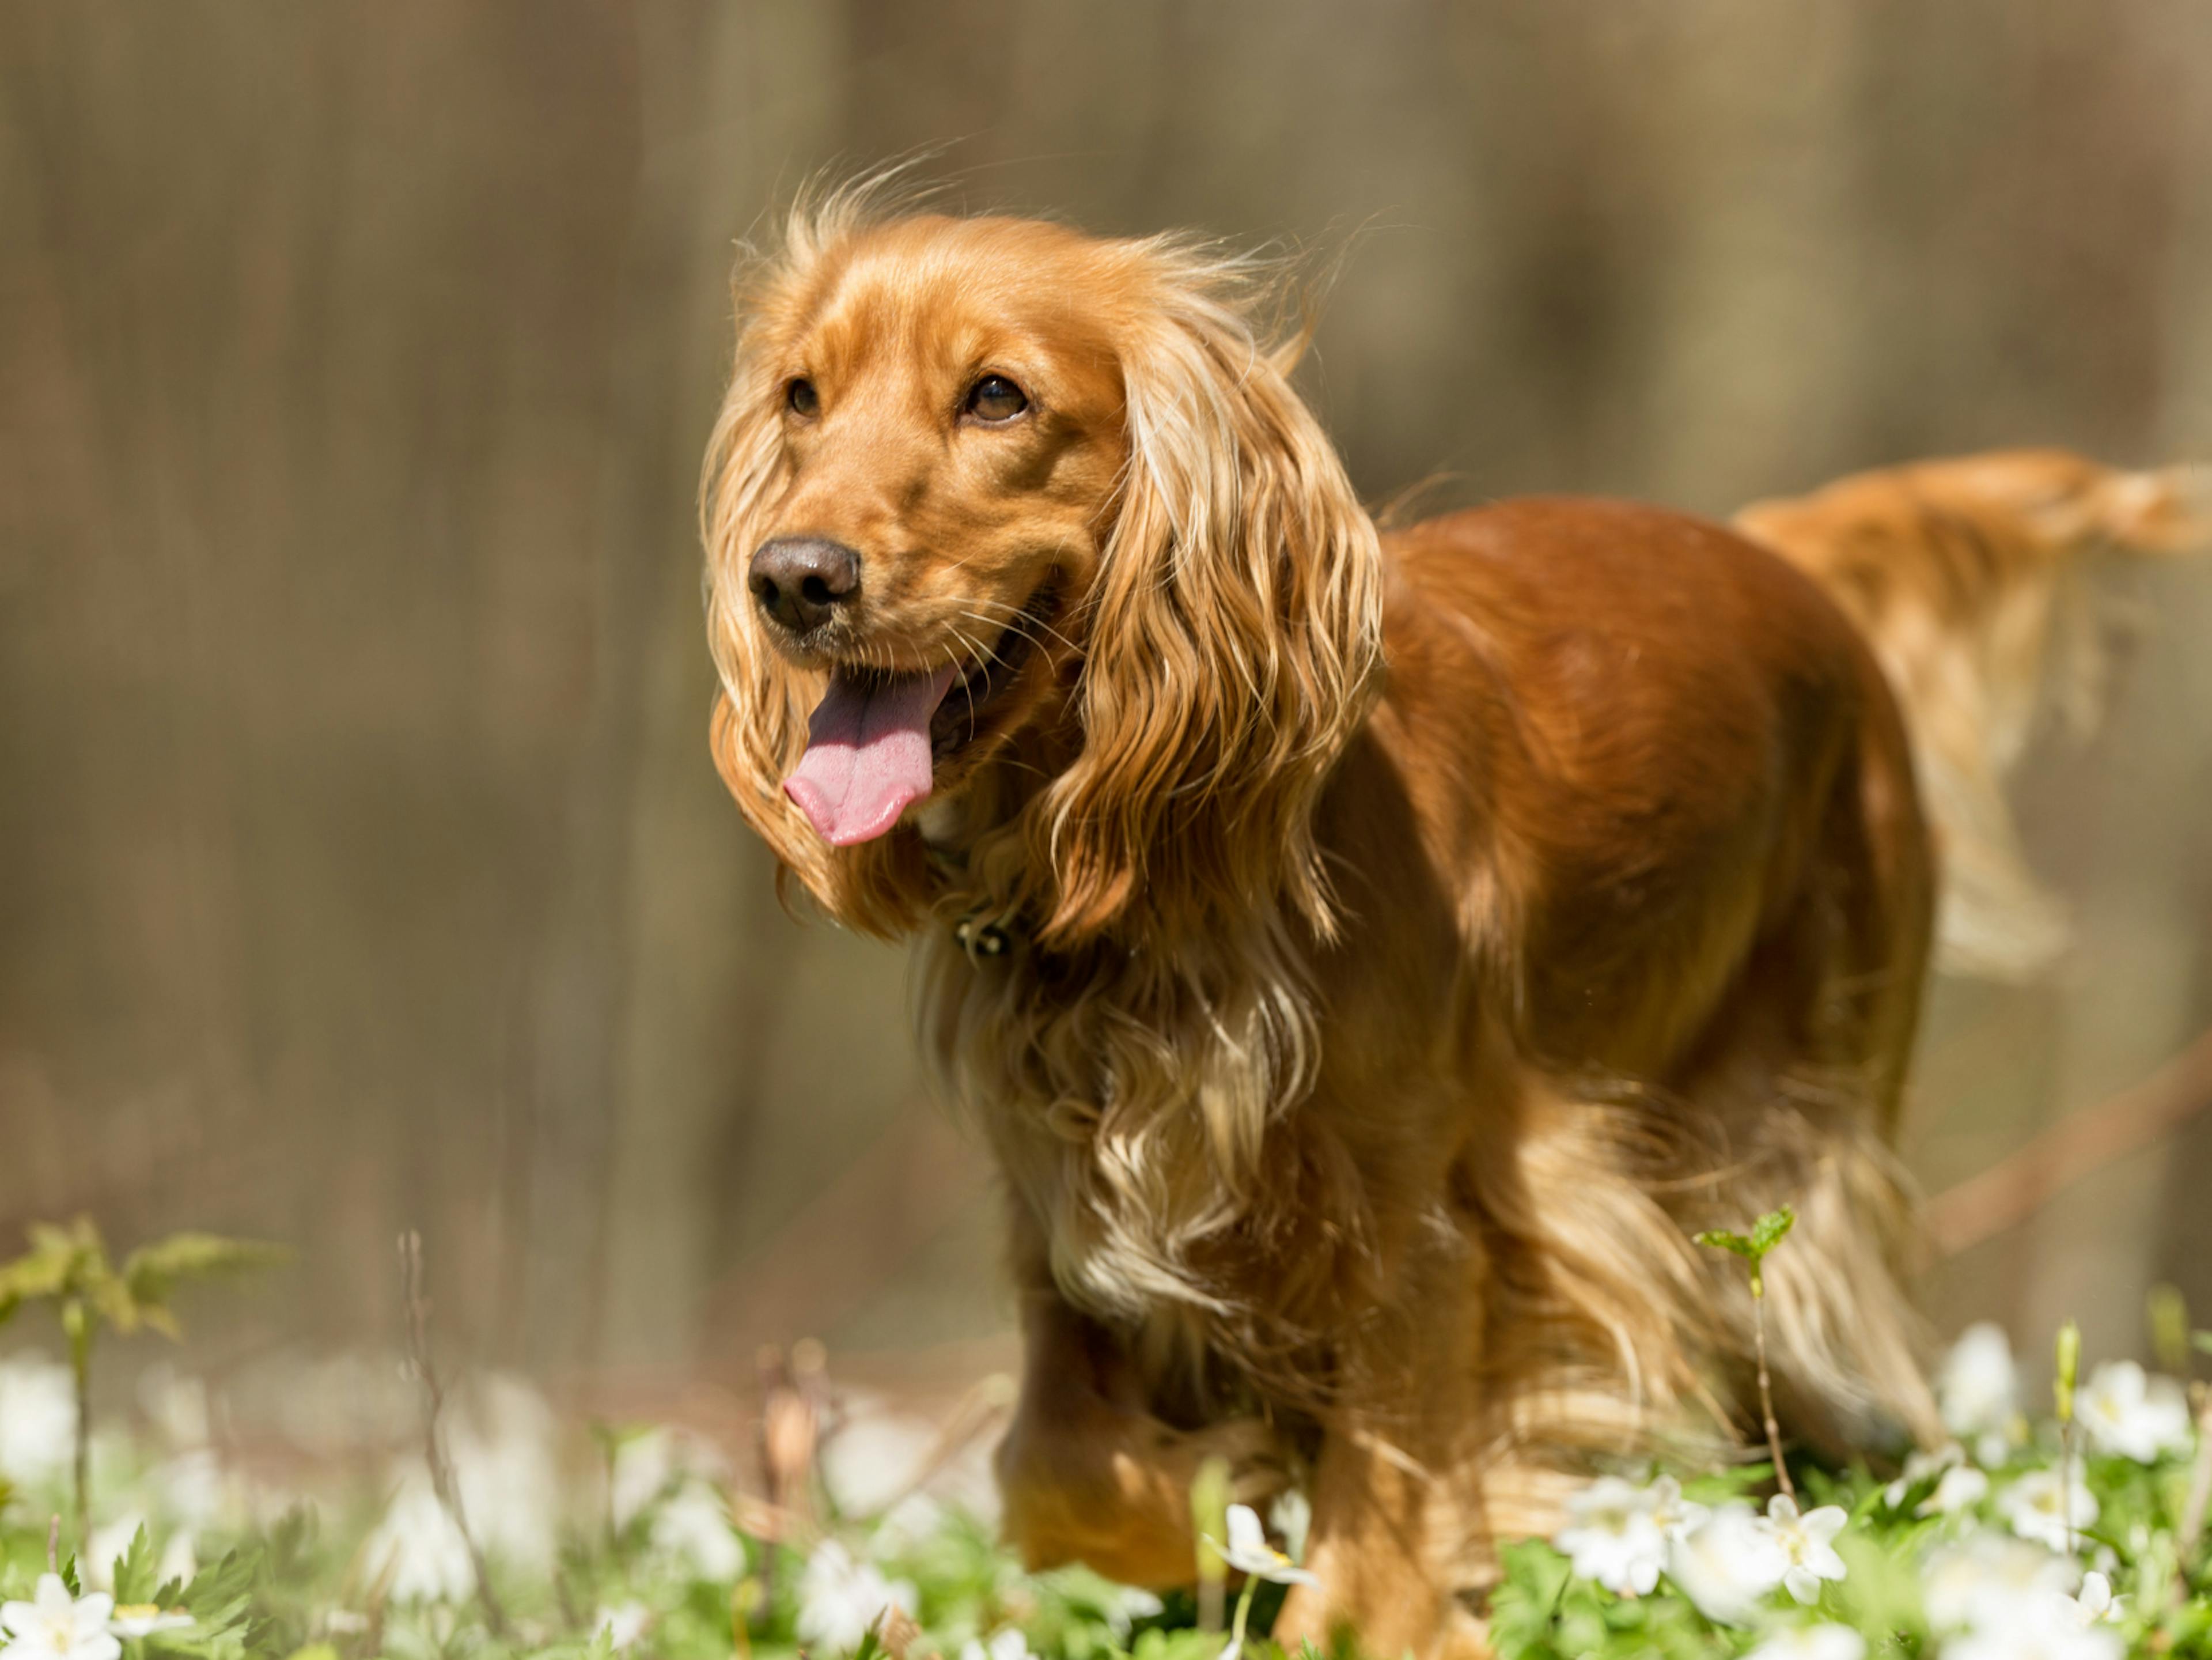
[1243, 1613]
[76, 1321]
[1766, 1390]
[2066, 1487]
[1209, 1515]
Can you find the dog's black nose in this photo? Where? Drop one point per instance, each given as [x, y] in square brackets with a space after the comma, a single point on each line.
[801, 580]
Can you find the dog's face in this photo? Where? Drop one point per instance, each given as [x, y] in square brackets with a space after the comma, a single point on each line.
[947, 403]
[979, 480]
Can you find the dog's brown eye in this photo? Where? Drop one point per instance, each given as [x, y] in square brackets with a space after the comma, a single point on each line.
[994, 398]
[800, 395]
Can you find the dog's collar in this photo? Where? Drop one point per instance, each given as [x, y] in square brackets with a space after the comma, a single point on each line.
[981, 936]
[978, 931]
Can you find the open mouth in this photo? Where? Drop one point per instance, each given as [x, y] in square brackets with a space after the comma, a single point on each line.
[965, 712]
[876, 739]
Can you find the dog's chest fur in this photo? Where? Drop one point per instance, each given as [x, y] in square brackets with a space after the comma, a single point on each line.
[1142, 1107]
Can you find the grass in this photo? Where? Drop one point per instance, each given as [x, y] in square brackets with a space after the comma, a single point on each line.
[637, 1541]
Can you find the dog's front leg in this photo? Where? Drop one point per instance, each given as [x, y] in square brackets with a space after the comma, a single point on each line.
[1090, 1476]
[1382, 1549]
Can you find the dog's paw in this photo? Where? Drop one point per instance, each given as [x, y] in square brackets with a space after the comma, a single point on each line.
[1112, 1488]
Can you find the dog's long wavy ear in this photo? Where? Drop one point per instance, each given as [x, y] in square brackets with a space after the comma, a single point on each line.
[1234, 639]
[762, 706]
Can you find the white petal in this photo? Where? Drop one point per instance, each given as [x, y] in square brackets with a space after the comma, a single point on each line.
[1246, 1537]
[1825, 1523]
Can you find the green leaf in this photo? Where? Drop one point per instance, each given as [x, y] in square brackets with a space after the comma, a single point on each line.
[41, 1273]
[214, 1591]
[1771, 1229]
[1766, 1234]
[134, 1571]
[1525, 1607]
[151, 1272]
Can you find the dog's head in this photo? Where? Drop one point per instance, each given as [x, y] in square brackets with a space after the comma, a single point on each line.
[1028, 524]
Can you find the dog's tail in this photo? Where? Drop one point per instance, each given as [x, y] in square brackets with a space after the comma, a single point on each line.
[1970, 578]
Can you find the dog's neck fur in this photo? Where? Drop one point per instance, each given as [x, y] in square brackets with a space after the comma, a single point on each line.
[1127, 1085]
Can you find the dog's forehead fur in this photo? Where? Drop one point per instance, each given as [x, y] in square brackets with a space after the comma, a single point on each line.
[942, 300]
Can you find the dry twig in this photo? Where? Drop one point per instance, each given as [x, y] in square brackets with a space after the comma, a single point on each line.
[1766, 1402]
[2200, 1487]
[442, 1482]
[2016, 1187]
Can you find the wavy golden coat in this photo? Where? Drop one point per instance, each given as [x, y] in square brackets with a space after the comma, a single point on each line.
[1369, 958]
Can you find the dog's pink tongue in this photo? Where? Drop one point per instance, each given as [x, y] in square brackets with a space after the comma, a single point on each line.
[867, 754]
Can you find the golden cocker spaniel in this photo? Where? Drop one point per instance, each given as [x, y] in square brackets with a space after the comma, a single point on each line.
[1369, 956]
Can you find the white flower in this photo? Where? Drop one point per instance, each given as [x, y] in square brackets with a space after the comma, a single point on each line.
[1987, 1580]
[906, 1527]
[1248, 1551]
[642, 1466]
[693, 1529]
[2042, 1622]
[2047, 1509]
[622, 1625]
[1126, 1607]
[2025, 1640]
[1978, 1390]
[502, 1445]
[145, 1619]
[38, 1420]
[1675, 1514]
[1804, 1539]
[55, 1625]
[2136, 1416]
[840, 1600]
[1961, 1488]
[876, 1456]
[1812, 1643]
[1918, 1467]
[1727, 1563]
[1614, 1533]
[647, 1464]
[1007, 1644]
[1292, 1518]
[2095, 1605]
[418, 1548]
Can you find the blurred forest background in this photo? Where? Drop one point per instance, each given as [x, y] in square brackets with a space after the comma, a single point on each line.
[361, 865]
